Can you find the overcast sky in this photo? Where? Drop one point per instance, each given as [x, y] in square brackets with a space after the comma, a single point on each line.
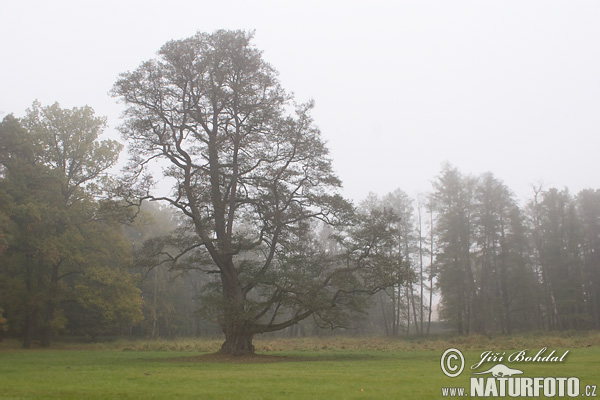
[511, 87]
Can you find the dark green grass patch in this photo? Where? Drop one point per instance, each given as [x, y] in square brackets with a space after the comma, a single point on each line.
[107, 374]
[363, 369]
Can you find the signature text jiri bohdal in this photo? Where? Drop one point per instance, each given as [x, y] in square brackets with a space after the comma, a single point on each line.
[521, 356]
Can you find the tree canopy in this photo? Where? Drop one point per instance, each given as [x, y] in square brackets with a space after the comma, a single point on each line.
[54, 236]
[252, 177]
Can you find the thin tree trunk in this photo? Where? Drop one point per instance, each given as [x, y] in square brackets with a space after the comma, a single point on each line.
[385, 319]
[412, 295]
[30, 328]
[154, 312]
[421, 264]
[430, 302]
[31, 311]
[472, 305]
[398, 291]
[421, 296]
[47, 330]
[504, 280]
[407, 311]
[394, 313]
[430, 269]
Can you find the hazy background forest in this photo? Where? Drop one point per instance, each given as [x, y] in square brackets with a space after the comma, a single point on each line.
[414, 102]
[475, 260]
[487, 264]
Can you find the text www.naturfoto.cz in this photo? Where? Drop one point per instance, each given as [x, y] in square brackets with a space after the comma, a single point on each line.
[522, 387]
[453, 392]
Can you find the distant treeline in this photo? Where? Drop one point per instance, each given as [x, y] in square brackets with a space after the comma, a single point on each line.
[498, 267]
[487, 264]
[505, 268]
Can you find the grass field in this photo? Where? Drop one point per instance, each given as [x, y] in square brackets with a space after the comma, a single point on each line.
[330, 368]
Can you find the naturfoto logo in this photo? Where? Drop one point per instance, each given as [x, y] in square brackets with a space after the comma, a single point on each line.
[507, 381]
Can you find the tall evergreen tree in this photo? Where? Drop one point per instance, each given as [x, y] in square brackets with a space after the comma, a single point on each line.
[500, 255]
[453, 201]
[560, 258]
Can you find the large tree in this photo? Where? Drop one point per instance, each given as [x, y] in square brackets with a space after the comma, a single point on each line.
[453, 202]
[30, 204]
[252, 179]
[60, 245]
[484, 276]
[505, 284]
[564, 232]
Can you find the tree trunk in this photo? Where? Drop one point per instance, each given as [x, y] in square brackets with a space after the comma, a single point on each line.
[407, 311]
[47, 329]
[30, 327]
[395, 321]
[504, 282]
[238, 335]
[430, 269]
[398, 309]
[153, 311]
[420, 232]
[238, 341]
[430, 302]
[31, 312]
[47, 332]
[414, 309]
[384, 314]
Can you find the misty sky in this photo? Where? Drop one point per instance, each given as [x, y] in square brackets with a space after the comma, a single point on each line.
[511, 87]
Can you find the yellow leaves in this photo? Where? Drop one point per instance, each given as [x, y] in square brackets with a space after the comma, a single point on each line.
[59, 321]
[112, 293]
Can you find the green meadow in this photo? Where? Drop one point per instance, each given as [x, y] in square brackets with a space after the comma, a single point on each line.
[313, 368]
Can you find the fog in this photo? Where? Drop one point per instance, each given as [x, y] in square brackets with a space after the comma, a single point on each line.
[465, 132]
[400, 87]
